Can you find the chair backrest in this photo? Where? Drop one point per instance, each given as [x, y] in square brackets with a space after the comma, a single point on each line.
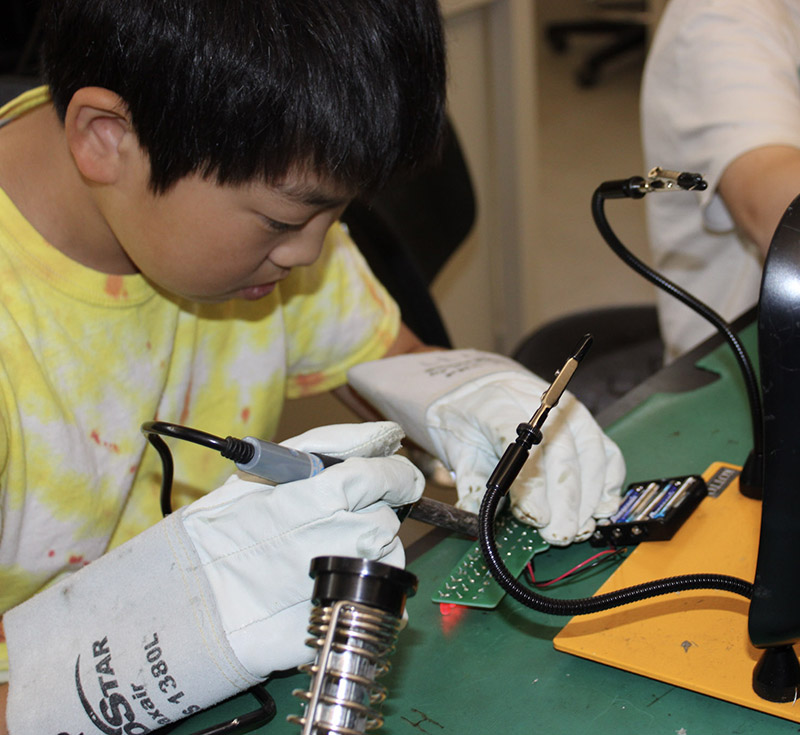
[11, 86]
[409, 230]
[627, 349]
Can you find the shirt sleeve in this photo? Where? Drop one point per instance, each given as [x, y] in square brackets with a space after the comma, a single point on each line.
[337, 315]
[722, 79]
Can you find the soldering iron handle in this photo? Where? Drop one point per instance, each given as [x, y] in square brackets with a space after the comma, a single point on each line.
[279, 464]
[427, 510]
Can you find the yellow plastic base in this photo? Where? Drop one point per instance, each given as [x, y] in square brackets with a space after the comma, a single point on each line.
[695, 639]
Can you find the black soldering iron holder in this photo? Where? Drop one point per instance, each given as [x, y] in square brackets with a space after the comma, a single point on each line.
[363, 581]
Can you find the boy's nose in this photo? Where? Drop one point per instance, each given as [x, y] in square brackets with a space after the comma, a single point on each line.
[299, 251]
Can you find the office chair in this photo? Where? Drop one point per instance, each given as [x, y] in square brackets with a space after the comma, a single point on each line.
[21, 21]
[409, 231]
[627, 349]
[11, 86]
[628, 32]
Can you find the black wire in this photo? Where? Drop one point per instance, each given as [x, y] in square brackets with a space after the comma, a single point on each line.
[186, 433]
[629, 188]
[230, 447]
[250, 720]
[165, 497]
[241, 723]
[152, 429]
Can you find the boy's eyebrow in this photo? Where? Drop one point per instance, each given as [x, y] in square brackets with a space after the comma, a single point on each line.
[312, 195]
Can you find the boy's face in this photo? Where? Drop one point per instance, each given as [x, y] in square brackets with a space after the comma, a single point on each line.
[208, 242]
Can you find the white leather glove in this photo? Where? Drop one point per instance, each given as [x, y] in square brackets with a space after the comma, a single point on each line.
[464, 406]
[344, 511]
[208, 601]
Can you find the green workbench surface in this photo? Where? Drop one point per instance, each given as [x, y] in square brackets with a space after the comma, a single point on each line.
[477, 671]
[684, 432]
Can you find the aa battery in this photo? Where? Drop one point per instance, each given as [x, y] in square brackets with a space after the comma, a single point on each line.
[652, 500]
[675, 498]
[631, 500]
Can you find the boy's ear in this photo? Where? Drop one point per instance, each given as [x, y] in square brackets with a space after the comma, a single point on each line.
[99, 134]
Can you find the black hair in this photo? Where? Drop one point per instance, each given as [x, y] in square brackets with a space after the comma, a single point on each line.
[243, 90]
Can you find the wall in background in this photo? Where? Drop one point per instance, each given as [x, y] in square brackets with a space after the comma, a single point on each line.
[538, 145]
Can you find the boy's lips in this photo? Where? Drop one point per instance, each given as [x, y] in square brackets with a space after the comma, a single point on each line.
[252, 293]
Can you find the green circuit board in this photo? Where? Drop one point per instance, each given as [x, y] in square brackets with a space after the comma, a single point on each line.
[471, 583]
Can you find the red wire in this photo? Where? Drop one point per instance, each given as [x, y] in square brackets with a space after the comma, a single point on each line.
[568, 573]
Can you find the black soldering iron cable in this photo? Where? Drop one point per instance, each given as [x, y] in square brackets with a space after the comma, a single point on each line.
[230, 448]
[153, 430]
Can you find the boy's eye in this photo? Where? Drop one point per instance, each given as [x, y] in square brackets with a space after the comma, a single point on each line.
[280, 226]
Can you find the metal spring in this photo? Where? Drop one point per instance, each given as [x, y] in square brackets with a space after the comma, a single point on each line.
[353, 642]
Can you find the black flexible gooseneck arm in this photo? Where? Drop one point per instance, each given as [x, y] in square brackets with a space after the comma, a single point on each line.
[751, 480]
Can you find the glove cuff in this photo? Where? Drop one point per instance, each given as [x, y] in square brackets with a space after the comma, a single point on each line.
[431, 376]
[132, 639]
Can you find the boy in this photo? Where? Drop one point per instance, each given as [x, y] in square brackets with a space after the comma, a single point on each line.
[170, 249]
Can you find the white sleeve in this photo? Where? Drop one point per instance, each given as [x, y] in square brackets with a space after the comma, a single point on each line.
[721, 79]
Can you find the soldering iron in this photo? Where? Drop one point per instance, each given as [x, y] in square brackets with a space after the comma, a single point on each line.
[279, 464]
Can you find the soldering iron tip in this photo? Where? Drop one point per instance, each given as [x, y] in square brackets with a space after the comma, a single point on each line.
[583, 347]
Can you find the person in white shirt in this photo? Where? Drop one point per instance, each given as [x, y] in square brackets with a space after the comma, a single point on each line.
[720, 97]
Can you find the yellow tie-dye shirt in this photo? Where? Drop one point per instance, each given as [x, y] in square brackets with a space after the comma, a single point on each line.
[86, 358]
